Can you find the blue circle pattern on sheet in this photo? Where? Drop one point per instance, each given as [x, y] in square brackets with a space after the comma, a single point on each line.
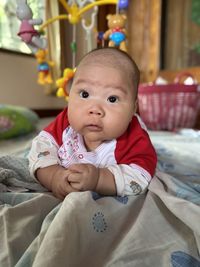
[99, 223]
[182, 259]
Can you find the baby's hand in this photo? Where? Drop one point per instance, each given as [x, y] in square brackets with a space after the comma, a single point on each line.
[60, 185]
[83, 177]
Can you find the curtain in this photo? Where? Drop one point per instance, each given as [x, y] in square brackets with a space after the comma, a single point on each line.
[54, 44]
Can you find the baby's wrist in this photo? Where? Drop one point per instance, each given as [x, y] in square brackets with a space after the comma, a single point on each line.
[100, 173]
[97, 178]
[106, 182]
[56, 174]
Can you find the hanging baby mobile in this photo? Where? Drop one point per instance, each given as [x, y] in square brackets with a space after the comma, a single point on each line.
[34, 40]
[75, 11]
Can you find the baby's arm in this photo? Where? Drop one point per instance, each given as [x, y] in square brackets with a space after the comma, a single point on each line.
[118, 179]
[130, 179]
[44, 166]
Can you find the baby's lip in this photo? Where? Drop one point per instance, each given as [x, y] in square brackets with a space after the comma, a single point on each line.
[94, 127]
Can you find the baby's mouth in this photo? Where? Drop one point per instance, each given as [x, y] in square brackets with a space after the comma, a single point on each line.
[94, 127]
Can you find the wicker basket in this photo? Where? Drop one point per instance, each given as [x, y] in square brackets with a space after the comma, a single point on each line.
[171, 106]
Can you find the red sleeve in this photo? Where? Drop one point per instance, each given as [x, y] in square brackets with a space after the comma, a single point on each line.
[57, 126]
[135, 146]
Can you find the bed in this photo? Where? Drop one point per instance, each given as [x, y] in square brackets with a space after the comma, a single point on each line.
[160, 228]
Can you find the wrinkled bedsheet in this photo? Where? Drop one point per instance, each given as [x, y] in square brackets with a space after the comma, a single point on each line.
[153, 229]
[160, 228]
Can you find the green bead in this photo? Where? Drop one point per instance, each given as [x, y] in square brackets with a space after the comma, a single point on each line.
[73, 47]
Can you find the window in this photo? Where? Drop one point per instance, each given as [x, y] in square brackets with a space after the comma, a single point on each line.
[9, 24]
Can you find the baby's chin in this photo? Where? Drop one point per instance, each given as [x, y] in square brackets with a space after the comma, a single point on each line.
[97, 139]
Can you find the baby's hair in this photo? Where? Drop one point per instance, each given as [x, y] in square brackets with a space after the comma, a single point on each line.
[117, 58]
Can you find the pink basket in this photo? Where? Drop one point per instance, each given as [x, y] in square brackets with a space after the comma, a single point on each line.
[171, 106]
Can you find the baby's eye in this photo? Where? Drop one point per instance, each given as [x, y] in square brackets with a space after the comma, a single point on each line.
[84, 94]
[113, 99]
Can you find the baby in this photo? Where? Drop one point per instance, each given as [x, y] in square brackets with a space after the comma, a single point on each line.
[98, 142]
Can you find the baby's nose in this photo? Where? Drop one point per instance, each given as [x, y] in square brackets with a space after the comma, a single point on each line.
[97, 111]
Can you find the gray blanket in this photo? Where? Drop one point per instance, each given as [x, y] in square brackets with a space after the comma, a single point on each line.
[15, 176]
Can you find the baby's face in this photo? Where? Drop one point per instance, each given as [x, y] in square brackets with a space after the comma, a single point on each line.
[101, 103]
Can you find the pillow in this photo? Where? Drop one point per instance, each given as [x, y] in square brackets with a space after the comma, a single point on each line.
[16, 121]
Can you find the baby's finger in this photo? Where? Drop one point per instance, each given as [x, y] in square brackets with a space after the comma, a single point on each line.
[77, 186]
[69, 188]
[77, 167]
[74, 177]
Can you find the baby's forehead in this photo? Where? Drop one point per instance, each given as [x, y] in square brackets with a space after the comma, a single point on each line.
[122, 66]
[114, 77]
[107, 59]
[95, 70]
